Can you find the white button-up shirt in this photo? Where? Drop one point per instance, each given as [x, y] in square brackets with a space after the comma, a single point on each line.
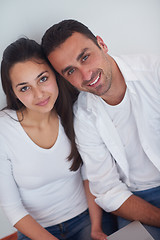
[98, 140]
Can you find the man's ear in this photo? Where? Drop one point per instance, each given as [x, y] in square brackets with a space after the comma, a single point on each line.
[102, 45]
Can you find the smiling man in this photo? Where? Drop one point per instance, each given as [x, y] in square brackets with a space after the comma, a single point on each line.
[117, 121]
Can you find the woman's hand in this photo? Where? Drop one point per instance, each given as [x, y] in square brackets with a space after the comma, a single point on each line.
[98, 235]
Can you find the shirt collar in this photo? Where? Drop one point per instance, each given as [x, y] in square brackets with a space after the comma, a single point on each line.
[125, 69]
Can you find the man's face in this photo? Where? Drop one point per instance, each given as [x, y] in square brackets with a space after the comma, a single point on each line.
[80, 61]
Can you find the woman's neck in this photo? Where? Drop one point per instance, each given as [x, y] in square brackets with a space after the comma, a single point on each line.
[35, 119]
[42, 128]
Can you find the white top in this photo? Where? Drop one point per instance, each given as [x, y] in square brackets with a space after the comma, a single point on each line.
[108, 167]
[37, 181]
[123, 120]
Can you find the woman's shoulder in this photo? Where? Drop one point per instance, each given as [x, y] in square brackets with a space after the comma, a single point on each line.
[6, 116]
[6, 112]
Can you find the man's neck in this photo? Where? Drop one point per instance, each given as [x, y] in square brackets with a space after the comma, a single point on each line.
[118, 87]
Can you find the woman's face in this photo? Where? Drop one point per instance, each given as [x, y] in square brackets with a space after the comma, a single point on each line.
[34, 84]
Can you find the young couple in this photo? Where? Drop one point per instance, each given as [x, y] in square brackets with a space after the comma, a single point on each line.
[116, 123]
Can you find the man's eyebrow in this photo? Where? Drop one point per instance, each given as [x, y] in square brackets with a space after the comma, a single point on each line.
[81, 54]
[78, 58]
[24, 83]
[66, 69]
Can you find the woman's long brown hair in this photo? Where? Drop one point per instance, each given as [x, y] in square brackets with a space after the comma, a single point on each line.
[25, 49]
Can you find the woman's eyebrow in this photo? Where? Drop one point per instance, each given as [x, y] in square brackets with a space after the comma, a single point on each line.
[19, 84]
[39, 75]
[24, 83]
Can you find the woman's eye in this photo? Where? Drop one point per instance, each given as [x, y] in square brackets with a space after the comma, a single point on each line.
[71, 71]
[85, 58]
[24, 89]
[43, 79]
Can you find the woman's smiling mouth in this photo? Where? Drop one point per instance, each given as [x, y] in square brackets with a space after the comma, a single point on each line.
[44, 102]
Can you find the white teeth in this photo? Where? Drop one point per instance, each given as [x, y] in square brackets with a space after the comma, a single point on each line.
[94, 81]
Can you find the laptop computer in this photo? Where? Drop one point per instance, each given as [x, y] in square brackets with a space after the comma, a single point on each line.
[132, 231]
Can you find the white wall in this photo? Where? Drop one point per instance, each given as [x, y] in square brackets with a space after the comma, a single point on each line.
[127, 26]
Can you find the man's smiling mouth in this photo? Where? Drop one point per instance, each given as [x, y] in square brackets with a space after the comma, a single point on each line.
[96, 80]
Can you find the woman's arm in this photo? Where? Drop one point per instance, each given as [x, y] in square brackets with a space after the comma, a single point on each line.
[95, 215]
[30, 228]
[11, 204]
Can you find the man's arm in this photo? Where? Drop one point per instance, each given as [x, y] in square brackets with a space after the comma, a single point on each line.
[135, 208]
[29, 227]
[105, 183]
[95, 213]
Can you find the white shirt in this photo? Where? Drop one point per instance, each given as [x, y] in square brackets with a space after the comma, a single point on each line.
[37, 181]
[100, 145]
[123, 119]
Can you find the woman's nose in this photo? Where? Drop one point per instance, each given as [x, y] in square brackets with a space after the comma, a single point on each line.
[38, 93]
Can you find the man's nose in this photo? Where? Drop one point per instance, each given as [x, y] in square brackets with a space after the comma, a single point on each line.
[86, 73]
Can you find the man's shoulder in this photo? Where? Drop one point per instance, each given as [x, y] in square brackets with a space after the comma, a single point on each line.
[82, 101]
[85, 103]
[140, 61]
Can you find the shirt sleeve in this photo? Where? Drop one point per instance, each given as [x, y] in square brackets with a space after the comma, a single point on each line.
[99, 165]
[10, 200]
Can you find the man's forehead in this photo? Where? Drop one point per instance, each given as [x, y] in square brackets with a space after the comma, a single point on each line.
[60, 59]
[70, 51]
[67, 53]
[75, 41]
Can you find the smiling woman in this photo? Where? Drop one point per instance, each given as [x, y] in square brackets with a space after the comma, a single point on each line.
[34, 84]
[44, 197]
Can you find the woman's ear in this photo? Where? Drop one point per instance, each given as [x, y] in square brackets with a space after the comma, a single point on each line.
[102, 45]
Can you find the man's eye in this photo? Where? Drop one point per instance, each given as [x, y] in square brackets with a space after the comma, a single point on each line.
[43, 79]
[24, 89]
[71, 71]
[85, 58]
